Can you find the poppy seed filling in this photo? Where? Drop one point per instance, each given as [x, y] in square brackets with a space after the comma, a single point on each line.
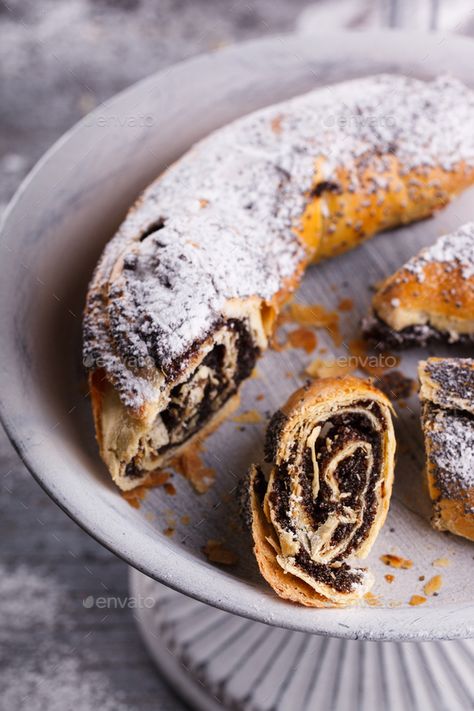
[348, 453]
[193, 402]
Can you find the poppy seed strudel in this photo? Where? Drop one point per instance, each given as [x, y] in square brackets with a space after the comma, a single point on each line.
[430, 298]
[447, 396]
[331, 452]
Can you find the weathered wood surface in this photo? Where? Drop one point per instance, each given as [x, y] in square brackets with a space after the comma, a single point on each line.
[59, 61]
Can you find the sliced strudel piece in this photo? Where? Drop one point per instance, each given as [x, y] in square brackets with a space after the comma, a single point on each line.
[447, 394]
[430, 297]
[331, 454]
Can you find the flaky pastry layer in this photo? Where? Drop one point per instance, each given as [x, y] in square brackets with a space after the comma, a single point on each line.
[331, 452]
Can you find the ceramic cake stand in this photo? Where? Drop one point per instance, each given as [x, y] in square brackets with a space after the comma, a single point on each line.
[216, 660]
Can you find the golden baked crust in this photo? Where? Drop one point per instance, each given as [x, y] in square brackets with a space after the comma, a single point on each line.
[341, 218]
[447, 395]
[431, 296]
[201, 266]
[331, 450]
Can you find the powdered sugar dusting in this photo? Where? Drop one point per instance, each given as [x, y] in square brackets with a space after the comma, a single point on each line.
[221, 222]
[454, 380]
[57, 680]
[453, 451]
[60, 684]
[449, 422]
[455, 249]
[27, 599]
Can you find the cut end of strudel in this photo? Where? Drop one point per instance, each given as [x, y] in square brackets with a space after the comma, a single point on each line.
[430, 298]
[330, 452]
[185, 296]
[447, 394]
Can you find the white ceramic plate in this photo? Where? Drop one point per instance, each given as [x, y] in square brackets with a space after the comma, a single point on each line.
[53, 233]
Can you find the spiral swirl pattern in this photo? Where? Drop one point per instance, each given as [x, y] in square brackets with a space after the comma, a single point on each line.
[331, 450]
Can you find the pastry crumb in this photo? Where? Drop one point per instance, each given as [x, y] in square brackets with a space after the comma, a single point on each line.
[372, 600]
[185, 520]
[317, 316]
[329, 368]
[170, 489]
[249, 417]
[135, 496]
[389, 578]
[417, 600]
[133, 501]
[216, 552]
[191, 466]
[433, 585]
[169, 531]
[441, 563]
[276, 123]
[345, 305]
[396, 561]
[156, 479]
[302, 338]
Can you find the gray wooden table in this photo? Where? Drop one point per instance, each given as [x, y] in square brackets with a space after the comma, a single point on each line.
[59, 60]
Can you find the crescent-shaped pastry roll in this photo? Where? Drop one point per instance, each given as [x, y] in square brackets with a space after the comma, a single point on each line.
[430, 297]
[447, 396]
[186, 295]
[331, 452]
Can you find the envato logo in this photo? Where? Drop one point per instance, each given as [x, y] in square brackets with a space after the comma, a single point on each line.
[113, 602]
[116, 121]
[385, 362]
[349, 120]
[134, 363]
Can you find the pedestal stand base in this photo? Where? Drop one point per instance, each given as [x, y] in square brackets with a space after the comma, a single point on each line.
[216, 660]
